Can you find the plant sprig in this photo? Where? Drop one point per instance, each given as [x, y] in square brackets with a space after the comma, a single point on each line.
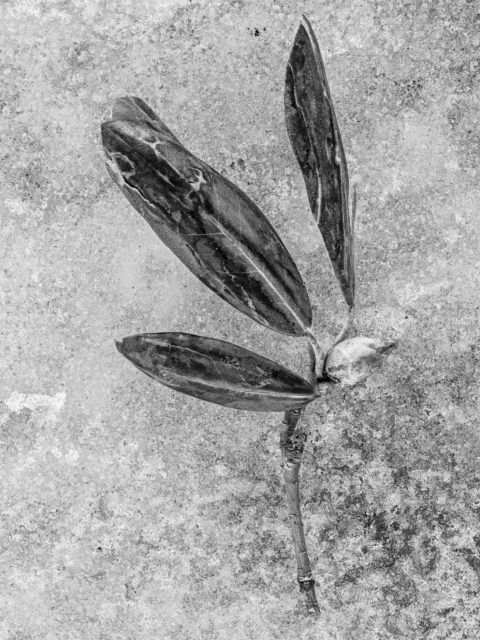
[218, 232]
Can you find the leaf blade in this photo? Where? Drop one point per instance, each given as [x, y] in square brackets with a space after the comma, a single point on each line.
[209, 223]
[216, 371]
[137, 110]
[315, 137]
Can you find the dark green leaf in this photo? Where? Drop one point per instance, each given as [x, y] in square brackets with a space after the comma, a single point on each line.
[313, 130]
[216, 371]
[136, 110]
[208, 222]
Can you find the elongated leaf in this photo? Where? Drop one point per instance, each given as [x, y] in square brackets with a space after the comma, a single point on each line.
[216, 371]
[313, 130]
[208, 222]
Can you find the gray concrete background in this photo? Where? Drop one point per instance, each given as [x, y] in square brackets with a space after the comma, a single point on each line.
[130, 512]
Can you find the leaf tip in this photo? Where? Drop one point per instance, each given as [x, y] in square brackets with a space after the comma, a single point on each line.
[307, 26]
[119, 345]
[122, 106]
[108, 131]
[132, 344]
[304, 20]
[387, 347]
[105, 128]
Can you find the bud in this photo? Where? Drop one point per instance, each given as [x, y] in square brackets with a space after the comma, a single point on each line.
[353, 360]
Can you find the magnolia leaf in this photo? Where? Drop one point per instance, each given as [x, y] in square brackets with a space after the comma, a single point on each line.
[135, 109]
[315, 137]
[208, 222]
[216, 371]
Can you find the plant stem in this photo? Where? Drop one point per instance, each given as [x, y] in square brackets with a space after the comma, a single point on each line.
[292, 444]
[316, 359]
[346, 328]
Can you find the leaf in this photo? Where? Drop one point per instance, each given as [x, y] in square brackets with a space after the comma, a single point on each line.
[216, 371]
[208, 222]
[315, 137]
[136, 110]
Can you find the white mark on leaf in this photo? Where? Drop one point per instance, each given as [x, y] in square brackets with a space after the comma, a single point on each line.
[199, 181]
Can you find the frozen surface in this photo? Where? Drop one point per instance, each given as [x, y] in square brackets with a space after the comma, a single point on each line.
[130, 512]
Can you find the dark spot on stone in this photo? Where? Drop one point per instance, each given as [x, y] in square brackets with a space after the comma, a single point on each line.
[355, 503]
[472, 559]
[426, 556]
[426, 624]
[99, 549]
[324, 496]
[350, 576]
[130, 591]
[79, 54]
[379, 525]
[256, 32]
[402, 591]
[400, 475]
[409, 90]
[446, 611]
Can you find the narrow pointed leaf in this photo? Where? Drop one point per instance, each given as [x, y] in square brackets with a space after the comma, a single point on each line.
[315, 137]
[216, 371]
[208, 222]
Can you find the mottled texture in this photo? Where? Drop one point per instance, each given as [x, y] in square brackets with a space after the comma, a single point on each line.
[132, 512]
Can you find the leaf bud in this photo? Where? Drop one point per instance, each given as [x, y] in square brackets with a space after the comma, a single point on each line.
[353, 360]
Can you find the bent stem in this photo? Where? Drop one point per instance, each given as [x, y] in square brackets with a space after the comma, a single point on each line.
[292, 444]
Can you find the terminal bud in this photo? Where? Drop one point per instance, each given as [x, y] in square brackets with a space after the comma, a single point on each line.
[353, 360]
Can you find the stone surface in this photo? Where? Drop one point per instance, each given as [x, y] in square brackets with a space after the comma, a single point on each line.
[132, 512]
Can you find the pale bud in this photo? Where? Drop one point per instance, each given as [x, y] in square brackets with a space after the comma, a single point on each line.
[353, 360]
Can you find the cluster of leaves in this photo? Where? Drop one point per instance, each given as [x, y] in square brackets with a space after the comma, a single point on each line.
[227, 242]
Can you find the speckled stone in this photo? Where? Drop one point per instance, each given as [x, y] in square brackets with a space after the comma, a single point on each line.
[130, 512]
